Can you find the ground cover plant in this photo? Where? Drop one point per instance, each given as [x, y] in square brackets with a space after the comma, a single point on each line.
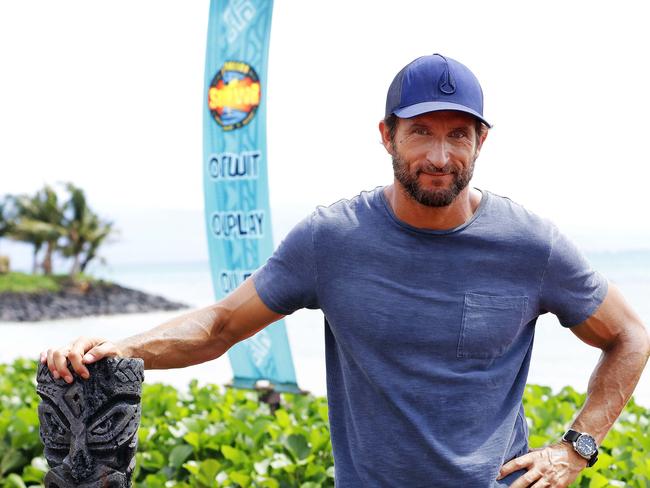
[208, 437]
[17, 282]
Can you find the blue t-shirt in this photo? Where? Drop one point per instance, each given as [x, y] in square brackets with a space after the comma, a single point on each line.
[428, 333]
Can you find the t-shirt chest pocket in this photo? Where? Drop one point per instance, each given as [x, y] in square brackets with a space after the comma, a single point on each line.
[489, 324]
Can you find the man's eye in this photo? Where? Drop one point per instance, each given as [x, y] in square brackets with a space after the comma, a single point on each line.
[458, 134]
[421, 131]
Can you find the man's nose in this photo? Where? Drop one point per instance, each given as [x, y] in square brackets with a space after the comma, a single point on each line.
[438, 154]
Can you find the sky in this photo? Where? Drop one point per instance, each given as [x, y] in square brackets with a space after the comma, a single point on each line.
[109, 96]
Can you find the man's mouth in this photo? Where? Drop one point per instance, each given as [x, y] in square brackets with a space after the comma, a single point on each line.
[434, 174]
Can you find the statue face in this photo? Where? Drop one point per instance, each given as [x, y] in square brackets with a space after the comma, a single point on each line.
[89, 428]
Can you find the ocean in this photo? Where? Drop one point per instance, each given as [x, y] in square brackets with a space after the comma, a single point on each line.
[558, 359]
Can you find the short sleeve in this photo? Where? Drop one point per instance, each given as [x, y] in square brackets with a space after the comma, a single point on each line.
[287, 281]
[571, 289]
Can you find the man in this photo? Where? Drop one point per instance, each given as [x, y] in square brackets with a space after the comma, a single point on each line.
[430, 291]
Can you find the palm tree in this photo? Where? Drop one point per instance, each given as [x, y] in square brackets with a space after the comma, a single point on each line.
[36, 233]
[8, 213]
[97, 234]
[4, 221]
[40, 221]
[17, 228]
[86, 232]
[72, 228]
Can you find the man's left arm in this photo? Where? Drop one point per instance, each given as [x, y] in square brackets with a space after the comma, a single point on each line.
[618, 331]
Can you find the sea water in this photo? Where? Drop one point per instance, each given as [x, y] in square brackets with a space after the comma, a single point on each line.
[558, 359]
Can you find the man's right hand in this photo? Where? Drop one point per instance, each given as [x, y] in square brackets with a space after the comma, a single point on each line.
[84, 350]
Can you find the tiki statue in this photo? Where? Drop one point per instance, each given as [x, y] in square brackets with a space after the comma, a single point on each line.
[89, 428]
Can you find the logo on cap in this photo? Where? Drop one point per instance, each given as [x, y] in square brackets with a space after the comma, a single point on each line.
[447, 84]
[234, 95]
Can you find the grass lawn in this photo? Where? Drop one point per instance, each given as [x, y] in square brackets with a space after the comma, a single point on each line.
[26, 283]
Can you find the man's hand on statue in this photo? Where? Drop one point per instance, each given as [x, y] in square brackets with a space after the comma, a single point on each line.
[554, 466]
[84, 350]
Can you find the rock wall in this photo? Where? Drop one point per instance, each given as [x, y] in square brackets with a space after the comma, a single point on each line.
[97, 299]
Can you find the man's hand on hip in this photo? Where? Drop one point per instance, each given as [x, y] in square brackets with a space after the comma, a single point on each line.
[554, 466]
[84, 350]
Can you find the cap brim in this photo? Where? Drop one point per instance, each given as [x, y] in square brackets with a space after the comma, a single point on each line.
[424, 107]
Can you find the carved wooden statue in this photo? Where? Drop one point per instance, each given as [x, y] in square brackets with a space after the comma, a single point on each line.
[89, 428]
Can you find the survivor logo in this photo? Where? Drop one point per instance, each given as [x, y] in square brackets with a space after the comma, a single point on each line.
[234, 95]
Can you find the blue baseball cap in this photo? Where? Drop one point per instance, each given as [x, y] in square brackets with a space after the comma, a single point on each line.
[433, 83]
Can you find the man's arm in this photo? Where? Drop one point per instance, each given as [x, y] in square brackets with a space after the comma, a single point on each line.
[618, 331]
[189, 339]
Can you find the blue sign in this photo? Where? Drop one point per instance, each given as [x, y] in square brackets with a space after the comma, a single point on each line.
[237, 211]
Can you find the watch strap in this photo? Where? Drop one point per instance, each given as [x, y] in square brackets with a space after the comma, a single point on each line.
[592, 460]
[571, 436]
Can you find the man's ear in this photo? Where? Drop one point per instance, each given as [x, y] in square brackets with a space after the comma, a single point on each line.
[385, 137]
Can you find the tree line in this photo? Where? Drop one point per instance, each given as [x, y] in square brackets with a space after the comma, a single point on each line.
[51, 224]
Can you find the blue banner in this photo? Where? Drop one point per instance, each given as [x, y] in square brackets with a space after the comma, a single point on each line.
[237, 211]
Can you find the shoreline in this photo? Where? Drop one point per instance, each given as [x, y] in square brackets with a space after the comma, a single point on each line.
[98, 298]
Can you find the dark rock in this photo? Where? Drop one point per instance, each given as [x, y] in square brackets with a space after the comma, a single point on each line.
[90, 428]
[98, 299]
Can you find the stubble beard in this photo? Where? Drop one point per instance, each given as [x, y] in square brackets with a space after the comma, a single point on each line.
[431, 198]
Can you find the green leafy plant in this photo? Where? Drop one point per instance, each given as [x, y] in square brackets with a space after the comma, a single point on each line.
[208, 437]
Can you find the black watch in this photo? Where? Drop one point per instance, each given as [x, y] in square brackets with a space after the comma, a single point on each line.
[584, 444]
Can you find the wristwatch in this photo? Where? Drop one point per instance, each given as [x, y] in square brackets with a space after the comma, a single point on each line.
[584, 444]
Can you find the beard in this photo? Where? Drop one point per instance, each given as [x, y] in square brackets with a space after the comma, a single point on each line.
[431, 198]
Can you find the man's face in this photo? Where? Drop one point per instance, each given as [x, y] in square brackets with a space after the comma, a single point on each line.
[434, 155]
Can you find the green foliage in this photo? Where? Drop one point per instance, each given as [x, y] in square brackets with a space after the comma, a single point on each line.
[207, 437]
[623, 458]
[26, 283]
[21, 461]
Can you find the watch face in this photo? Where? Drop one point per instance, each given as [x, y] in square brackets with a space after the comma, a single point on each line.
[585, 445]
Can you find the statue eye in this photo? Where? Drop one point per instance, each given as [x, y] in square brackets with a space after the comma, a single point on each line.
[102, 428]
[55, 431]
[55, 425]
[115, 424]
[107, 424]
